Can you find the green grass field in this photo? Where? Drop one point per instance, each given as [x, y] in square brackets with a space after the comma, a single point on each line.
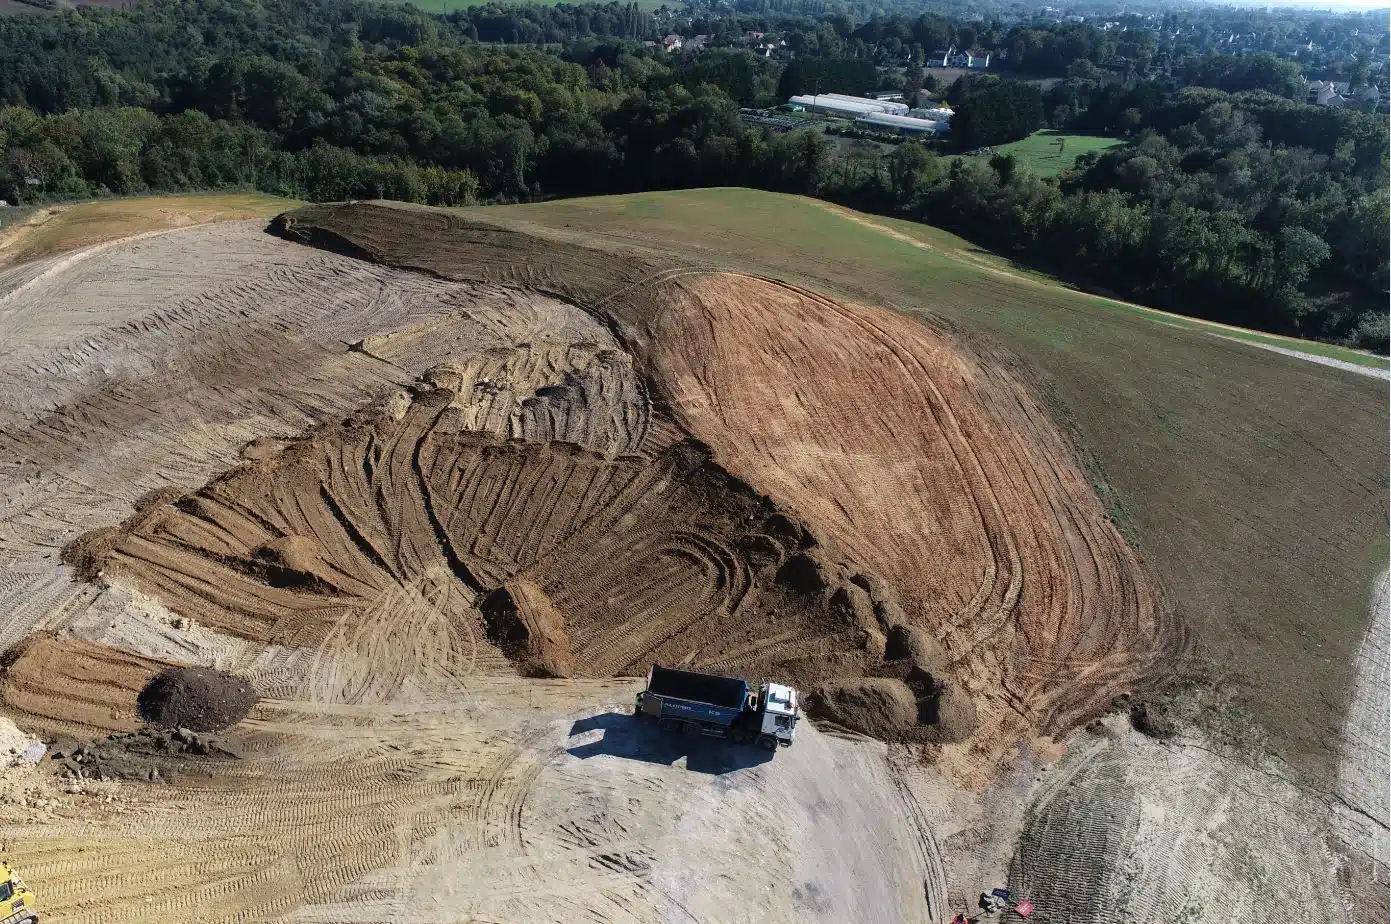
[1254, 484]
[1040, 152]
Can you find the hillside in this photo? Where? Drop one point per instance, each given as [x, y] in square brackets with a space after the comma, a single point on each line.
[1065, 581]
[1211, 453]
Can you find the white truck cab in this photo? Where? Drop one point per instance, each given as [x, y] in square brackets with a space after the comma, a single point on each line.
[780, 712]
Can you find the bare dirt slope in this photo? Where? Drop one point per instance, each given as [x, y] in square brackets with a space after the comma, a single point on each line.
[908, 457]
[320, 473]
[433, 504]
[1129, 829]
[934, 470]
[1362, 816]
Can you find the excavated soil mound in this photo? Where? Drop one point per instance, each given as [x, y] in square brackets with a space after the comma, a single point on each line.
[67, 686]
[409, 524]
[197, 698]
[145, 755]
[878, 706]
[725, 471]
[297, 562]
[523, 622]
[926, 463]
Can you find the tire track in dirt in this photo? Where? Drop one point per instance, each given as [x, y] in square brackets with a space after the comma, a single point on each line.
[642, 558]
[931, 469]
[1129, 828]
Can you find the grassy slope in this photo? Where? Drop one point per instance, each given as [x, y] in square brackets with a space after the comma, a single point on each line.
[68, 227]
[1254, 483]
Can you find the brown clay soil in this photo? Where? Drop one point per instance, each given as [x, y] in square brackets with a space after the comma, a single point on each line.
[935, 471]
[910, 458]
[385, 489]
[69, 686]
[628, 560]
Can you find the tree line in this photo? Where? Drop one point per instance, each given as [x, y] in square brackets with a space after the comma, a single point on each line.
[1233, 202]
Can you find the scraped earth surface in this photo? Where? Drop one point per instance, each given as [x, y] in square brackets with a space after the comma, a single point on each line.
[438, 492]
[1130, 829]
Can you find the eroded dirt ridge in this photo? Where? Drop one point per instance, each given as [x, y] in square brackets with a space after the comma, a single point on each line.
[919, 463]
[572, 562]
[379, 489]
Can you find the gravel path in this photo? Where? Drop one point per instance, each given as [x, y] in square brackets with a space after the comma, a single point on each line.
[1384, 374]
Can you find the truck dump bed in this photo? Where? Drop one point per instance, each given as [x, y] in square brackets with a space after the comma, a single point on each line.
[724, 692]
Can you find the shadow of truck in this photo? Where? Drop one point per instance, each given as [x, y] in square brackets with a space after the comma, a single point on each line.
[634, 739]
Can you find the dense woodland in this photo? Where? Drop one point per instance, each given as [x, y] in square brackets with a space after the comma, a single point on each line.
[1232, 199]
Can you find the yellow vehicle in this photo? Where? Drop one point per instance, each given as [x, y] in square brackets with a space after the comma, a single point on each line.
[17, 905]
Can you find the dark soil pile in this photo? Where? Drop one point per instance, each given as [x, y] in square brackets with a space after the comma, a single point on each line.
[196, 698]
[147, 755]
[1152, 719]
[521, 620]
[878, 706]
[295, 562]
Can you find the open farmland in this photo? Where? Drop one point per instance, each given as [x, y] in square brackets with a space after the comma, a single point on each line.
[439, 484]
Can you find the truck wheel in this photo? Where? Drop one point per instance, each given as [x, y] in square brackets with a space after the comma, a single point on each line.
[768, 742]
[738, 735]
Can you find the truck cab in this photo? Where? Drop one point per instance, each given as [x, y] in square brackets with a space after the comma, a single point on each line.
[17, 904]
[780, 712]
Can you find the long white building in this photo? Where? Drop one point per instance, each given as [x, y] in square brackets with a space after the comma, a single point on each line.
[904, 125]
[889, 106]
[847, 106]
[941, 114]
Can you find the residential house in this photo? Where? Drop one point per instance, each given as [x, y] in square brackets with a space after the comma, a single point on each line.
[770, 46]
[1328, 93]
[953, 58]
[672, 42]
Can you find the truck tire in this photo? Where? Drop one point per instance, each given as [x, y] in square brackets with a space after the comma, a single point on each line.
[768, 742]
[738, 735]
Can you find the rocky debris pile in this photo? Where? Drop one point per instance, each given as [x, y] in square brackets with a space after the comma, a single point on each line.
[26, 795]
[197, 698]
[16, 747]
[146, 755]
[1152, 718]
[905, 699]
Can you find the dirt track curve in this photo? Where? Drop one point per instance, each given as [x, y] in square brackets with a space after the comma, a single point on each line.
[386, 475]
[931, 469]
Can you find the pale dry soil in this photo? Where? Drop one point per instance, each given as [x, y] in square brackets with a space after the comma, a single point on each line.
[398, 768]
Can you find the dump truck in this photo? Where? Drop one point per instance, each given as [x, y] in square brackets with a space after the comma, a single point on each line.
[17, 905]
[720, 707]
